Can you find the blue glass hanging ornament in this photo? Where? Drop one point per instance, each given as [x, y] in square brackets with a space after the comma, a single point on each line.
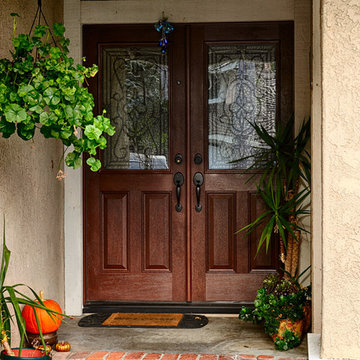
[165, 28]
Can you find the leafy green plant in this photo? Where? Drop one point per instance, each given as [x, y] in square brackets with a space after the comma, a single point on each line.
[289, 341]
[284, 187]
[11, 296]
[279, 299]
[40, 87]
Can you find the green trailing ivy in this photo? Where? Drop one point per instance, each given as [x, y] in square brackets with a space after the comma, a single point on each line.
[41, 87]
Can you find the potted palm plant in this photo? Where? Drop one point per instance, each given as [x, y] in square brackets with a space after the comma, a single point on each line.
[12, 297]
[284, 186]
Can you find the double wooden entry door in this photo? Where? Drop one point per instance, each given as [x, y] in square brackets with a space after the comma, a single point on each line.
[161, 215]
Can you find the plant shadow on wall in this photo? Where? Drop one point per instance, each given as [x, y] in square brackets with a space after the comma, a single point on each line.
[40, 87]
[12, 297]
[282, 304]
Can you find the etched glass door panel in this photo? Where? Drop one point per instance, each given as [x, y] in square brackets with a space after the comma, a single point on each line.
[242, 91]
[135, 96]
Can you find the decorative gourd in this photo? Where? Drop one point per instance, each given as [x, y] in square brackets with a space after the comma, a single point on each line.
[47, 347]
[63, 346]
[47, 323]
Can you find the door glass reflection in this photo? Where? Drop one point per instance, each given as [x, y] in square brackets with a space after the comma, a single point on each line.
[135, 95]
[242, 90]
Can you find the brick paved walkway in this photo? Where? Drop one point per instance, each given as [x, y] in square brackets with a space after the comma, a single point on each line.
[102, 355]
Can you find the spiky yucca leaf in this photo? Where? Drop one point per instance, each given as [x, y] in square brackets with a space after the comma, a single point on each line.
[283, 161]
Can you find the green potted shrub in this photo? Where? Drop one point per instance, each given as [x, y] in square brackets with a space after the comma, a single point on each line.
[12, 297]
[284, 187]
[41, 88]
[282, 307]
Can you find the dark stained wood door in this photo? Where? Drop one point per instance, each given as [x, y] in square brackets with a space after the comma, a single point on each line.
[134, 239]
[196, 102]
[240, 73]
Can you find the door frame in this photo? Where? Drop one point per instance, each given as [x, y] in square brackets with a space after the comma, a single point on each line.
[205, 286]
[74, 10]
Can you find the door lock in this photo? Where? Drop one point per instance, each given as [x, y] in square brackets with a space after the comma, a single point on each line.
[198, 159]
[178, 159]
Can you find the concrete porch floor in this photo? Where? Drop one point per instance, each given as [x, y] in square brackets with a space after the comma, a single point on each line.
[223, 335]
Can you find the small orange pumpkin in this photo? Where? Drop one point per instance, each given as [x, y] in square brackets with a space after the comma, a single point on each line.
[47, 323]
[47, 347]
[63, 346]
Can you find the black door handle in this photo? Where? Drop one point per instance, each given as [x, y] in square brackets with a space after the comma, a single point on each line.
[178, 181]
[198, 181]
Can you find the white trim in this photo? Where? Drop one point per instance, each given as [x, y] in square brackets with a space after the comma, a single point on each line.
[313, 346]
[316, 169]
[140, 11]
[73, 220]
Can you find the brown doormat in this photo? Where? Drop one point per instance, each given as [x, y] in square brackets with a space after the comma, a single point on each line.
[144, 320]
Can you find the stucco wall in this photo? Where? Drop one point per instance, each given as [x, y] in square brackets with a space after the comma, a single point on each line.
[30, 196]
[341, 174]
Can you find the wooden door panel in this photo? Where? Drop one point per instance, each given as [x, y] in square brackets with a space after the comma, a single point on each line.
[131, 287]
[157, 235]
[115, 219]
[221, 220]
[264, 260]
[137, 258]
[237, 287]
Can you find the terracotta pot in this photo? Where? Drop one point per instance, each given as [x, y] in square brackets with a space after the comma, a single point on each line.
[286, 324]
[307, 317]
[299, 327]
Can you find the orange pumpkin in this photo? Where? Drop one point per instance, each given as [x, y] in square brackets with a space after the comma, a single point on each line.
[47, 323]
[63, 347]
[47, 347]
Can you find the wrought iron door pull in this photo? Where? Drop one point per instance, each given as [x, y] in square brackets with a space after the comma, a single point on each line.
[198, 181]
[178, 181]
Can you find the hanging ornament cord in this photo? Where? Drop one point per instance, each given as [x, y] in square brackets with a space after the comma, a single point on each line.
[39, 13]
[165, 28]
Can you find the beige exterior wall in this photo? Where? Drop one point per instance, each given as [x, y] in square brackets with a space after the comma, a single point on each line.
[341, 174]
[30, 196]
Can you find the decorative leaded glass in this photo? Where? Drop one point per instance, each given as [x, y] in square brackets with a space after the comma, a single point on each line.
[135, 96]
[242, 90]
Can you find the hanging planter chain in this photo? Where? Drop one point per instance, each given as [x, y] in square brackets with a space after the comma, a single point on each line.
[46, 92]
[40, 13]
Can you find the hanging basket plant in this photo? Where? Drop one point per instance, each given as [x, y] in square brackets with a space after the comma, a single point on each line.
[41, 88]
